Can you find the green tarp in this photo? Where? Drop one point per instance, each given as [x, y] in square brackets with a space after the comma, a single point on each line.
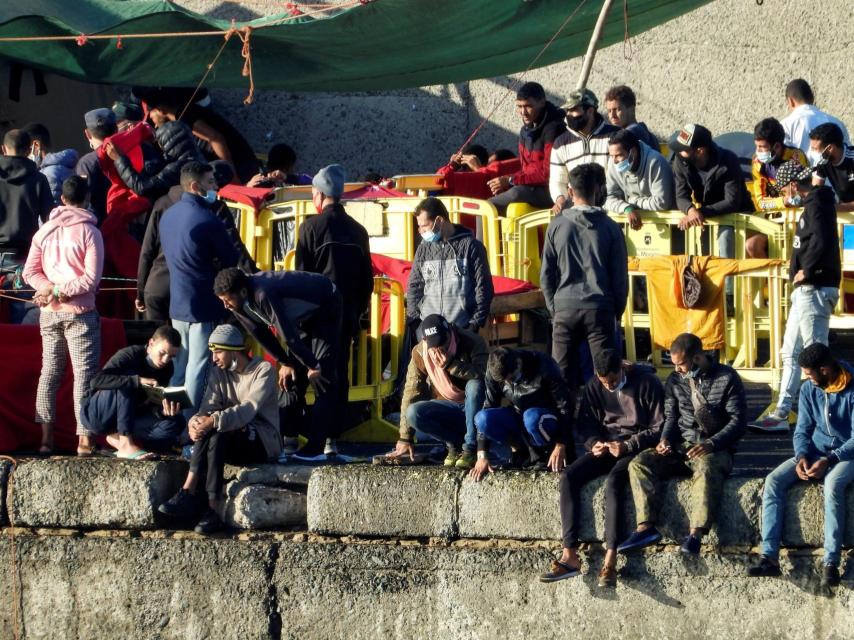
[384, 44]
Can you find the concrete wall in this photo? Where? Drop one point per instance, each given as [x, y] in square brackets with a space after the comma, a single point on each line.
[724, 65]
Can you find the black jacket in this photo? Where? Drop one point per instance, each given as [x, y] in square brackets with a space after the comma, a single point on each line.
[722, 190]
[541, 386]
[25, 197]
[90, 168]
[633, 415]
[816, 243]
[178, 146]
[124, 370]
[336, 246]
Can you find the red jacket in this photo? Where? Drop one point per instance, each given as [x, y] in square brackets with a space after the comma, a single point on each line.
[535, 147]
[472, 184]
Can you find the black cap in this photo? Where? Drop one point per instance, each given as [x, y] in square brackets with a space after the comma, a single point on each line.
[435, 330]
[99, 118]
[692, 136]
[127, 111]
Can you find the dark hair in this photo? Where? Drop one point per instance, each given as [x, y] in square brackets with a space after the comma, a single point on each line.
[587, 180]
[74, 190]
[503, 154]
[223, 172]
[625, 138]
[194, 172]
[169, 334]
[17, 142]
[433, 207]
[502, 362]
[607, 361]
[38, 132]
[103, 131]
[687, 344]
[622, 94]
[800, 90]
[281, 157]
[815, 356]
[371, 177]
[828, 133]
[770, 130]
[477, 150]
[531, 91]
[230, 280]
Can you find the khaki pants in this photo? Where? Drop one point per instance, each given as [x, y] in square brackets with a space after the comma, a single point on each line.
[707, 477]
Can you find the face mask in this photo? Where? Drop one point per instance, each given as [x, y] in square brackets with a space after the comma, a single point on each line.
[432, 235]
[623, 166]
[619, 386]
[693, 373]
[36, 157]
[764, 156]
[233, 365]
[576, 123]
[796, 201]
[210, 196]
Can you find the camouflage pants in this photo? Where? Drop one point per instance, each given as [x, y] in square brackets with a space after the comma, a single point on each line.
[707, 477]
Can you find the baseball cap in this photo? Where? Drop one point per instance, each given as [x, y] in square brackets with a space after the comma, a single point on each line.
[435, 330]
[583, 98]
[99, 118]
[692, 136]
[791, 171]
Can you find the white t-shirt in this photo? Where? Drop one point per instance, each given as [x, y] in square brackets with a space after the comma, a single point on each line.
[801, 121]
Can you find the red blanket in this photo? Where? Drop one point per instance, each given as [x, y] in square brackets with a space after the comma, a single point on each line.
[19, 379]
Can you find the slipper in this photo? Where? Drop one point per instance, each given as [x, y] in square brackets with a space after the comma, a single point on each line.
[86, 452]
[142, 454]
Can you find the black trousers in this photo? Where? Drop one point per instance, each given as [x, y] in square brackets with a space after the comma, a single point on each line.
[214, 449]
[573, 479]
[570, 328]
[349, 332]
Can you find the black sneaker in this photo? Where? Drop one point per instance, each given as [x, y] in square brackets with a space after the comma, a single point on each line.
[210, 523]
[690, 546]
[181, 505]
[765, 568]
[830, 576]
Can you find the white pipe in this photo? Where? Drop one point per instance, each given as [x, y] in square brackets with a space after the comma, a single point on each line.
[591, 48]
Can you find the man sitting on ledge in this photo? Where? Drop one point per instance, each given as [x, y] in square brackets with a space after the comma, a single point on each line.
[118, 406]
[538, 424]
[704, 418]
[824, 451]
[237, 423]
[443, 391]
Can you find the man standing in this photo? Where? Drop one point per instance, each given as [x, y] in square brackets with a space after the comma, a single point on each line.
[704, 407]
[542, 123]
[815, 270]
[100, 125]
[584, 274]
[804, 116]
[336, 246]
[56, 166]
[443, 391]
[450, 273]
[639, 178]
[621, 415]
[585, 140]
[304, 310]
[620, 103]
[196, 246]
[836, 164]
[824, 451]
[708, 183]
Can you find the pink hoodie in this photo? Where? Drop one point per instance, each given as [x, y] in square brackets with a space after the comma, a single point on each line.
[67, 251]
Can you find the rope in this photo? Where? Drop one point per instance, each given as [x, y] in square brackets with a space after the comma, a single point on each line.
[207, 72]
[627, 38]
[244, 35]
[13, 554]
[17, 299]
[518, 81]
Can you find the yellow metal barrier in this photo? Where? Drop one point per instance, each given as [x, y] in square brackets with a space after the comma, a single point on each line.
[419, 184]
[303, 191]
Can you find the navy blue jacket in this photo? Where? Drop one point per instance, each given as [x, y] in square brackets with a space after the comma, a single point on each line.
[196, 246]
[825, 422]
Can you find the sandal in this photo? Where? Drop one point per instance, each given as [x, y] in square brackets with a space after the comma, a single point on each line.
[141, 455]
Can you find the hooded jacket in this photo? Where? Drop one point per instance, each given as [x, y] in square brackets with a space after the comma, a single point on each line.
[718, 190]
[67, 251]
[24, 198]
[649, 188]
[57, 167]
[451, 278]
[816, 242]
[825, 422]
[584, 262]
[535, 147]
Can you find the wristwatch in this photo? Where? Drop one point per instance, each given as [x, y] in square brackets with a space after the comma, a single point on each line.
[510, 180]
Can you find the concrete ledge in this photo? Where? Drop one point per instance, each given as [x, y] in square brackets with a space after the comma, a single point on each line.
[383, 501]
[93, 493]
[256, 506]
[294, 475]
[429, 501]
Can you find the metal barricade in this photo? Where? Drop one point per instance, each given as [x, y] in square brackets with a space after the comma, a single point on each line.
[418, 184]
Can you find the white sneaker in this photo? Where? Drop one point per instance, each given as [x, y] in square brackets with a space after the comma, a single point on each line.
[290, 446]
[772, 423]
[331, 448]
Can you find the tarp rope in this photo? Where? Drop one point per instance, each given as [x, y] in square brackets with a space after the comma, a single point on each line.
[13, 553]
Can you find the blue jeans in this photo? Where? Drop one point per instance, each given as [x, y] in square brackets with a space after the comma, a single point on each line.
[537, 425]
[777, 485]
[809, 321]
[447, 421]
[118, 411]
[193, 360]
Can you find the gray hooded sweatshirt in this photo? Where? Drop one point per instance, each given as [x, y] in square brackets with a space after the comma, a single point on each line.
[650, 188]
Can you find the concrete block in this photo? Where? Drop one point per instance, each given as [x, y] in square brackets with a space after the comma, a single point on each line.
[270, 474]
[93, 493]
[383, 501]
[261, 507]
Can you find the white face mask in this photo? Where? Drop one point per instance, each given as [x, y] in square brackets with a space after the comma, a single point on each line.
[233, 365]
[619, 386]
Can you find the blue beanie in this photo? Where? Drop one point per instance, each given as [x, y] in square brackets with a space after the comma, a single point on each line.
[330, 180]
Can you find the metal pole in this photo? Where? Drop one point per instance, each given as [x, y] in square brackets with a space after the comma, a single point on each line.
[591, 48]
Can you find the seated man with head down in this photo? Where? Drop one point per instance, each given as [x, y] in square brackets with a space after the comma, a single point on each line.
[443, 391]
[537, 426]
[237, 423]
[119, 407]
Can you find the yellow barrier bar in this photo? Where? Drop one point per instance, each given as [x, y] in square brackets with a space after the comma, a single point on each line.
[418, 184]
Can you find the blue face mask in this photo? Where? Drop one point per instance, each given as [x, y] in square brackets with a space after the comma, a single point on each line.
[796, 201]
[623, 166]
[432, 235]
[764, 156]
[693, 373]
[210, 196]
[619, 386]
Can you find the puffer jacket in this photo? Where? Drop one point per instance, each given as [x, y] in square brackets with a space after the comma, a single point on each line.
[825, 422]
[451, 278]
[176, 141]
[57, 167]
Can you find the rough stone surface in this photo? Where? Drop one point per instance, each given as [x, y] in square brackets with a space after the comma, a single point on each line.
[270, 474]
[93, 493]
[256, 506]
[383, 501]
